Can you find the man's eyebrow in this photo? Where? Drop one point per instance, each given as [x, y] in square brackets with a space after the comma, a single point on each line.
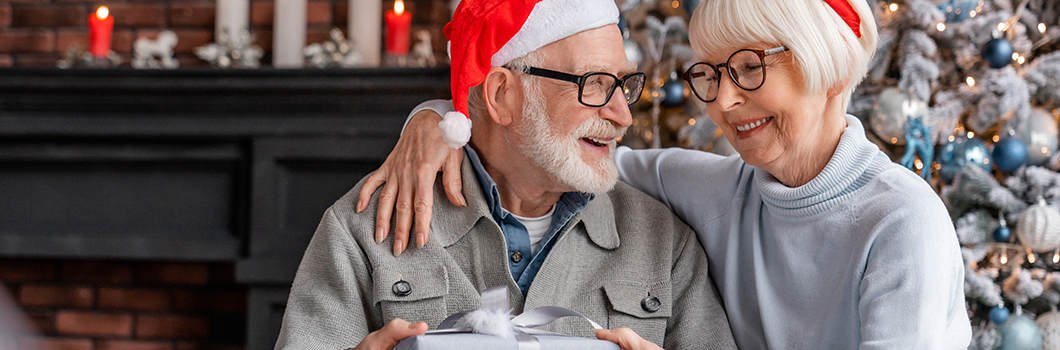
[627, 69]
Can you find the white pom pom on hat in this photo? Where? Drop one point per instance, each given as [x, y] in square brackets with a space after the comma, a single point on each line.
[490, 33]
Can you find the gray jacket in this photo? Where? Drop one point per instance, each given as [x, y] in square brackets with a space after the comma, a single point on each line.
[603, 265]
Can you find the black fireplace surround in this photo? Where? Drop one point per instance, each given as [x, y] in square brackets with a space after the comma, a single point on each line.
[193, 165]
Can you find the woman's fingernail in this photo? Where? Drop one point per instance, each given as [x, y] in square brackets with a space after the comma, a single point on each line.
[378, 235]
[399, 247]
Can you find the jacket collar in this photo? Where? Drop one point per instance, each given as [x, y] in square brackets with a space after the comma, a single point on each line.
[449, 223]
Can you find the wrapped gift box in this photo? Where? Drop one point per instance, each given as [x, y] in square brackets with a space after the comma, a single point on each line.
[472, 341]
[454, 334]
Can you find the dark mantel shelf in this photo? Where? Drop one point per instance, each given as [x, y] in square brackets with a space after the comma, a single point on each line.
[193, 164]
[212, 102]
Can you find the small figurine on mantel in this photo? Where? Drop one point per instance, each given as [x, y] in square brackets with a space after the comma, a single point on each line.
[422, 51]
[156, 53]
[337, 51]
[77, 57]
[232, 52]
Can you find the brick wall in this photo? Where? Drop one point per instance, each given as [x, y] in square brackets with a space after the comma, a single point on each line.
[36, 33]
[123, 305]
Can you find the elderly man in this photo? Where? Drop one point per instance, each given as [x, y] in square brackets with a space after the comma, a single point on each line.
[545, 217]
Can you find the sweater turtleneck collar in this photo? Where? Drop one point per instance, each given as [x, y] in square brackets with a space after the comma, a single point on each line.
[850, 168]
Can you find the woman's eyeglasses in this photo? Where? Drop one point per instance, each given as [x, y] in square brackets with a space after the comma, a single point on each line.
[746, 68]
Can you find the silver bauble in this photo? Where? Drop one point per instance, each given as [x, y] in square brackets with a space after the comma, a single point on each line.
[1020, 333]
[891, 111]
[1049, 323]
[1039, 133]
[1039, 227]
[633, 52]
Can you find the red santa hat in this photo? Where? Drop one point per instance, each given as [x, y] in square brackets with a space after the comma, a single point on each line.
[491, 33]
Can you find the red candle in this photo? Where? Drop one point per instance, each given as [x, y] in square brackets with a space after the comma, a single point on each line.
[100, 26]
[397, 30]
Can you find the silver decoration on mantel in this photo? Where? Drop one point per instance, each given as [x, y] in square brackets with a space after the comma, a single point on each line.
[156, 53]
[235, 52]
[79, 58]
[422, 54]
[336, 52]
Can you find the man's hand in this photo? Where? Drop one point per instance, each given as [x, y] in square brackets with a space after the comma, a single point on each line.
[387, 337]
[409, 172]
[626, 339]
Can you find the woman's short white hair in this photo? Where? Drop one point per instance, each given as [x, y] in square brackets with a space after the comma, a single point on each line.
[825, 49]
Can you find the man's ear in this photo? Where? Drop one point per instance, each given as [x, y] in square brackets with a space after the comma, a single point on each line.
[502, 95]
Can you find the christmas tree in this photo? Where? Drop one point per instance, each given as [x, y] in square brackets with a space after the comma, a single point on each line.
[965, 93]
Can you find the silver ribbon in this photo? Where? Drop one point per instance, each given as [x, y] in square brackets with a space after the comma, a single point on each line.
[496, 299]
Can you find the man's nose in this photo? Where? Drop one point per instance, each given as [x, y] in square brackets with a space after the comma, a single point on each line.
[617, 110]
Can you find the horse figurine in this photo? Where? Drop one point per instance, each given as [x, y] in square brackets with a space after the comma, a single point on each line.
[146, 50]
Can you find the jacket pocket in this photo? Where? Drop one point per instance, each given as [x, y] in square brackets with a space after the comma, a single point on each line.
[411, 294]
[643, 307]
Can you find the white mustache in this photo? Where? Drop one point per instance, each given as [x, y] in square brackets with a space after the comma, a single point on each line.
[598, 128]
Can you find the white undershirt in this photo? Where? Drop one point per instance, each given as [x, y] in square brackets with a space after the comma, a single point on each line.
[537, 227]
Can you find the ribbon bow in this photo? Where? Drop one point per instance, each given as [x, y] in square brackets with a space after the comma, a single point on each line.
[521, 328]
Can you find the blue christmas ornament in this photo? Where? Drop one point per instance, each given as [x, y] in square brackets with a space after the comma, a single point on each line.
[1009, 154]
[958, 10]
[690, 5]
[999, 314]
[962, 150]
[1020, 333]
[997, 53]
[673, 93]
[918, 141]
[1001, 234]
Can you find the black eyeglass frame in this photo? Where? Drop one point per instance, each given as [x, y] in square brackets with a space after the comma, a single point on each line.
[581, 79]
[687, 76]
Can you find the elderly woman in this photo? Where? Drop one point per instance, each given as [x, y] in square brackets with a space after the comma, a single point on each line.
[815, 238]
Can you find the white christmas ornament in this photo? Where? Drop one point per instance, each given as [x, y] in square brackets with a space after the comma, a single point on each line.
[1039, 227]
[891, 111]
[1039, 133]
[1049, 322]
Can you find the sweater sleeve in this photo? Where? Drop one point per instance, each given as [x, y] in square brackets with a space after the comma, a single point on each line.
[698, 186]
[438, 106]
[912, 289]
[330, 301]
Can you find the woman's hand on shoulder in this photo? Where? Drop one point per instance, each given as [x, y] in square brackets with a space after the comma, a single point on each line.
[626, 339]
[407, 177]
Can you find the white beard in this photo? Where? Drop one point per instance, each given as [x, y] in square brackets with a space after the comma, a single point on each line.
[560, 156]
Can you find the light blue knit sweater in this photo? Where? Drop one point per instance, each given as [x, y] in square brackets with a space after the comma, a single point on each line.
[863, 256]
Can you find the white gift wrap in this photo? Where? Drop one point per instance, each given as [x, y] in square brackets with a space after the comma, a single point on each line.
[472, 341]
[492, 327]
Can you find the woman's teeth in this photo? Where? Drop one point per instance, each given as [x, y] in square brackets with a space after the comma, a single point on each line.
[752, 125]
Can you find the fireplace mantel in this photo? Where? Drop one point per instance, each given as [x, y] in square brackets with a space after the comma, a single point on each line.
[193, 165]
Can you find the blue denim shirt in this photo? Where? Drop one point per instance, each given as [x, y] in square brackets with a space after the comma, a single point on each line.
[515, 233]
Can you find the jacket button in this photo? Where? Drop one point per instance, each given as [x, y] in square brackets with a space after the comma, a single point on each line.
[517, 257]
[650, 304]
[402, 288]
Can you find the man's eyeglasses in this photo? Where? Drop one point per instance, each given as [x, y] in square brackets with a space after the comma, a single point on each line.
[595, 89]
[746, 68]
